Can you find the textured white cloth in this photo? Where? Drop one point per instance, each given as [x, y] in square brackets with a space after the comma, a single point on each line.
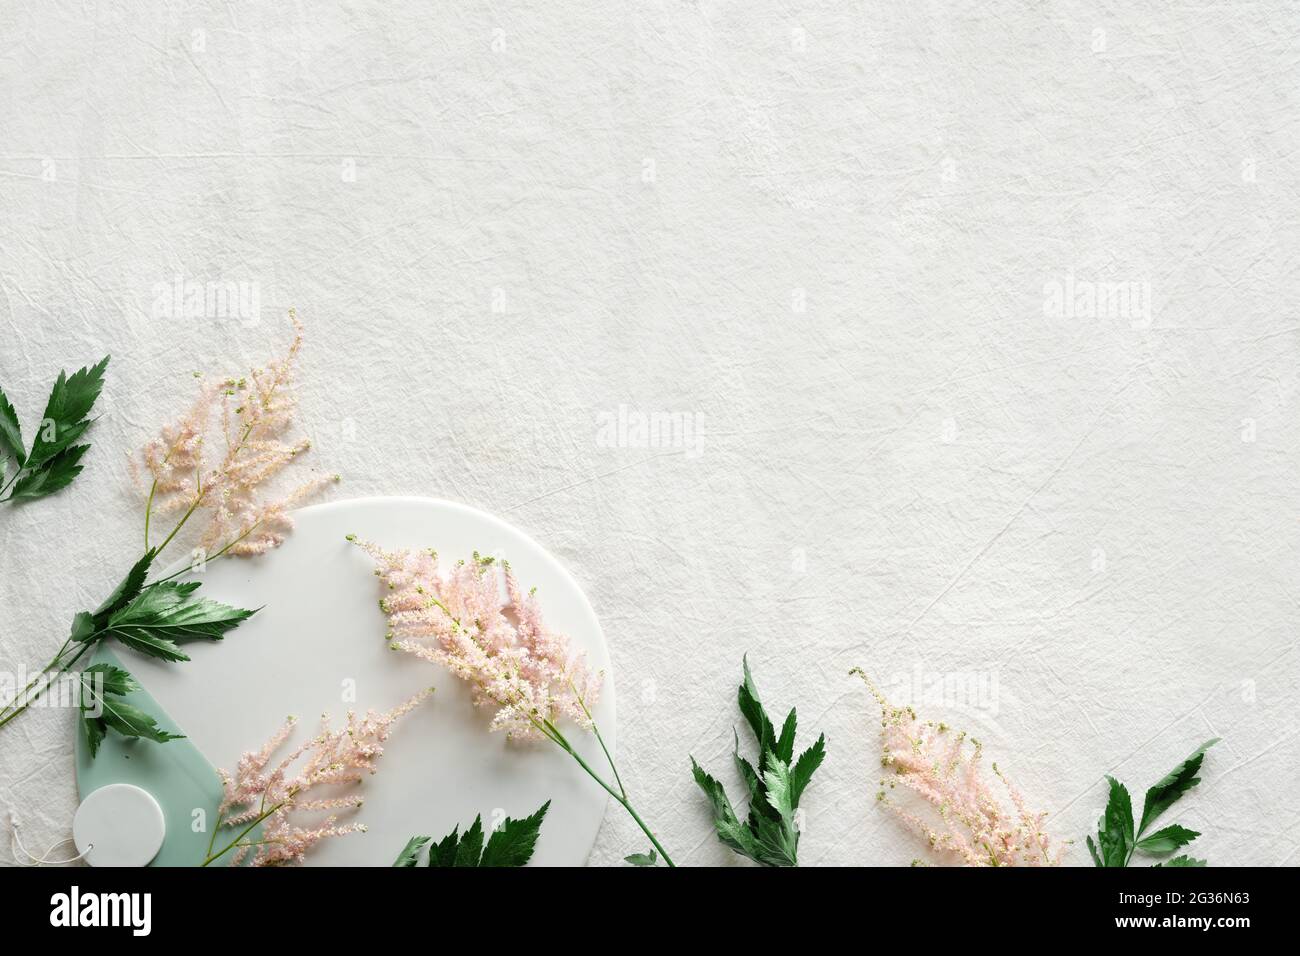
[834, 245]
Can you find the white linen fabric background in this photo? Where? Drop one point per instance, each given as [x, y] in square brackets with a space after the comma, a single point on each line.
[977, 320]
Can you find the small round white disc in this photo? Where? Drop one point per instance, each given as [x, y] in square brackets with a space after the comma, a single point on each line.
[119, 825]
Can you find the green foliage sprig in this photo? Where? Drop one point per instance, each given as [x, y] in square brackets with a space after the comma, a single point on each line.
[510, 844]
[148, 618]
[102, 688]
[1117, 839]
[53, 460]
[770, 833]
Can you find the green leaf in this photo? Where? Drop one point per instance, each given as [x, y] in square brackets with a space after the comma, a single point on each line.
[642, 859]
[70, 401]
[1115, 833]
[444, 854]
[769, 834]
[728, 827]
[471, 845]
[1177, 782]
[83, 628]
[50, 476]
[1183, 861]
[126, 590]
[94, 685]
[1092, 849]
[102, 688]
[11, 433]
[1167, 839]
[114, 680]
[746, 770]
[777, 778]
[162, 614]
[131, 721]
[96, 730]
[785, 743]
[410, 855]
[781, 843]
[777, 843]
[805, 767]
[717, 795]
[512, 843]
[752, 710]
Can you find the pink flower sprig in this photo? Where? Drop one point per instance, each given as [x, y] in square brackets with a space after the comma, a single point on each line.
[217, 459]
[967, 822]
[220, 455]
[277, 796]
[475, 620]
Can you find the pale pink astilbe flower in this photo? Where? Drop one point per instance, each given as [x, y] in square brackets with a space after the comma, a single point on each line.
[248, 418]
[280, 795]
[474, 620]
[967, 822]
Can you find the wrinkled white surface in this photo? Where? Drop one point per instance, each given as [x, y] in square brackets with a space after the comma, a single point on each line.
[915, 175]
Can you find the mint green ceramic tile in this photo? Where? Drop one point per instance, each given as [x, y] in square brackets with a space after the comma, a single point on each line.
[175, 773]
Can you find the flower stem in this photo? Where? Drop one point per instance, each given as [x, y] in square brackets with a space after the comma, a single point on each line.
[213, 857]
[620, 796]
[148, 512]
[29, 696]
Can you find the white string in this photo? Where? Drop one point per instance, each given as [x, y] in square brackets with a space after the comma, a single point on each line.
[43, 859]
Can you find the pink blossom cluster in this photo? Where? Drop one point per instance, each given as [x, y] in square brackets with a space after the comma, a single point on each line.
[249, 416]
[279, 795]
[966, 822]
[475, 621]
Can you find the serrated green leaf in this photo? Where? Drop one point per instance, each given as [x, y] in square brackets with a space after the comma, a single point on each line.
[1115, 834]
[96, 730]
[769, 834]
[1173, 785]
[50, 476]
[470, 850]
[1167, 840]
[728, 826]
[131, 721]
[444, 853]
[107, 679]
[780, 842]
[752, 710]
[410, 855]
[11, 433]
[1092, 849]
[150, 644]
[777, 778]
[70, 401]
[512, 843]
[784, 748]
[45, 450]
[722, 808]
[642, 859]
[777, 843]
[746, 770]
[805, 767]
[162, 614]
[127, 589]
[1183, 861]
[102, 707]
[83, 627]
